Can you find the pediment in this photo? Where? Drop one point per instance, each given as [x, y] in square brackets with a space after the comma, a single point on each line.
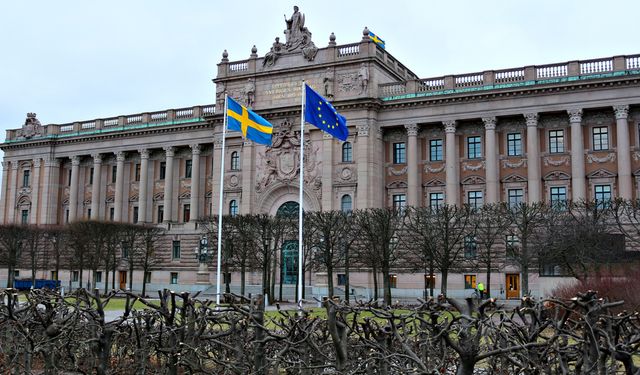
[133, 198]
[185, 195]
[601, 173]
[556, 175]
[158, 197]
[473, 180]
[397, 185]
[434, 182]
[514, 177]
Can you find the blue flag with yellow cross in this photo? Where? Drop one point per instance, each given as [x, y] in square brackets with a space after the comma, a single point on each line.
[251, 124]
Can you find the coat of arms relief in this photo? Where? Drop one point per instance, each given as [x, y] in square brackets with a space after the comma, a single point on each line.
[281, 161]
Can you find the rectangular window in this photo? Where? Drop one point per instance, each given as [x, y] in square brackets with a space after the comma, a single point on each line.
[174, 277]
[175, 250]
[435, 150]
[89, 213]
[514, 144]
[602, 194]
[515, 197]
[136, 175]
[474, 199]
[347, 152]
[186, 213]
[75, 275]
[160, 214]
[558, 195]
[163, 169]
[399, 153]
[399, 201]
[474, 148]
[114, 174]
[436, 200]
[91, 176]
[112, 213]
[16, 274]
[512, 243]
[25, 178]
[556, 141]
[600, 138]
[24, 218]
[125, 251]
[187, 168]
[393, 281]
[429, 281]
[68, 177]
[470, 247]
[66, 216]
[98, 276]
[147, 277]
[342, 279]
[135, 215]
[469, 281]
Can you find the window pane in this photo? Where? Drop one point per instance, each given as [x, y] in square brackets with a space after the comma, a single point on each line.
[233, 207]
[175, 253]
[347, 152]
[163, 169]
[435, 150]
[346, 203]
[399, 153]
[474, 199]
[556, 141]
[515, 197]
[187, 168]
[436, 200]
[399, 201]
[514, 144]
[558, 195]
[600, 138]
[469, 281]
[235, 161]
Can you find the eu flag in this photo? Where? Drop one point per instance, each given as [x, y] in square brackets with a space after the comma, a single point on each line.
[376, 39]
[252, 126]
[320, 112]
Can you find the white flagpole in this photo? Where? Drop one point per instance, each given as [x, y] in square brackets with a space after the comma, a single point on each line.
[220, 203]
[300, 198]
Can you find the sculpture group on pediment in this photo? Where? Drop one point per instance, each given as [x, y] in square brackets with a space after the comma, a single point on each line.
[31, 127]
[297, 39]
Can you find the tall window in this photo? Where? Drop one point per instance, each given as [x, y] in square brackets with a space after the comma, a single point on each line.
[556, 141]
[98, 276]
[469, 281]
[515, 197]
[602, 194]
[68, 177]
[558, 195]
[175, 250]
[512, 243]
[233, 207]
[187, 168]
[346, 203]
[474, 148]
[474, 199]
[514, 144]
[399, 201]
[147, 277]
[436, 200]
[25, 178]
[111, 213]
[163, 169]
[24, 219]
[75, 276]
[114, 173]
[235, 161]
[186, 213]
[91, 176]
[435, 150]
[470, 247]
[347, 152]
[137, 172]
[399, 153]
[600, 138]
[89, 213]
[174, 278]
[160, 214]
[135, 215]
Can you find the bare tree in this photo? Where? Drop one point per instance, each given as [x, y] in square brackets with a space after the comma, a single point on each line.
[56, 238]
[12, 243]
[34, 245]
[144, 252]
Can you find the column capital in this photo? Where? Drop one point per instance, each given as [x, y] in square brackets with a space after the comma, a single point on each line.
[575, 114]
[531, 119]
[51, 162]
[97, 158]
[169, 151]
[363, 130]
[75, 160]
[195, 149]
[449, 126]
[622, 111]
[489, 123]
[144, 153]
[120, 156]
[217, 141]
[412, 129]
[5, 165]
[37, 163]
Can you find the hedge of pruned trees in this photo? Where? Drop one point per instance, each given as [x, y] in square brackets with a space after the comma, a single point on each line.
[178, 334]
[580, 238]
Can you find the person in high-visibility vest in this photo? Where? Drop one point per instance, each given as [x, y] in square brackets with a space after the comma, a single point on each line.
[481, 290]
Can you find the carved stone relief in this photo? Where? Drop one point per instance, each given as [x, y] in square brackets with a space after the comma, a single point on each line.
[556, 161]
[348, 83]
[469, 166]
[397, 172]
[610, 157]
[553, 121]
[514, 164]
[428, 168]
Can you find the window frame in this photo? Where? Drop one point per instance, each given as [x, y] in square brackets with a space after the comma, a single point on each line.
[188, 168]
[26, 178]
[343, 202]
[600, 138]
[234, 163]
[557, 202]
[176, 249]
[233, 207]
[347, 152]
[517, 196]
[439, 201]
[114, 174]
[173, 278]
[470, 281]
[399, 151]
[186, 212]
[478, 196]
[514, 145]
[162, 170]
[556, 141]
[474, 147]
[24, 217]
[136, 172]
[602, 201]
[436, 149]
[160, 214]
[399, 201]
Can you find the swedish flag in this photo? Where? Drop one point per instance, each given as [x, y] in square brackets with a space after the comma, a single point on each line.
[252, 126]
[320, 112]
[376, 39]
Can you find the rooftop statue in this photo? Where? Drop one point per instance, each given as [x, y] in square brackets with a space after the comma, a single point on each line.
[297, 39]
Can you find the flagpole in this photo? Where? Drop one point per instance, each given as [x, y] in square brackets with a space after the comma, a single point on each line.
[300, 198]
[220, 203]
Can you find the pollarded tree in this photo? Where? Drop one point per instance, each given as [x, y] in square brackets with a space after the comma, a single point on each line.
[12, 243]
[34, 245]
[145, 252]
[56, 238]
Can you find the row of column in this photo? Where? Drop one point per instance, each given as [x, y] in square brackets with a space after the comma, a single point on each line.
[534, 178]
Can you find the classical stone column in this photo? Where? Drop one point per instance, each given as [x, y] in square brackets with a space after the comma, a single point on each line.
[327, 172]
[50, 190]
[413, 191]
[95, 187]
[625, 186]
[35, 191]
[73, 189]
[142, 188]
[451, 164]
[119, 196]
[168, 184]
[13, 181]
[362, 163]
[215, 174]
[533, 158]
[491, 160]
[195, 183]
[5, 189]
[578, 184]
[248, 176]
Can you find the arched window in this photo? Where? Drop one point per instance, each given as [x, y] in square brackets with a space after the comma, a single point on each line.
[346, 203]
[289, 209]
[233, 207]
[347, 152]
[235, 161]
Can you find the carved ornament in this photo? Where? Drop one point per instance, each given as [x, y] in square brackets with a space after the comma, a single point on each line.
[397, 172]
[466, 166]
[610, 157]
[518, 164]
[556, 162]
[429, 169]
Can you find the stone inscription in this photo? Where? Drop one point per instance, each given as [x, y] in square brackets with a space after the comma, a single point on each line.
[288, 90]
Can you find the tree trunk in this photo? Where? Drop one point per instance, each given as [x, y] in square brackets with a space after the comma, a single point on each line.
[131, 278]
[330, 280]
[243, 270]
[106, 281]
[259, 355]
[386, 284]
[433, 279]
[11, 276]
[443, 283]
[113, 275]
[274, 272]
[375, 283]
[347, 286]
[281, 277]
[487, 287]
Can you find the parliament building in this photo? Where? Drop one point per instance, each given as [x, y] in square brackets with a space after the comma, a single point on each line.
[561, 131]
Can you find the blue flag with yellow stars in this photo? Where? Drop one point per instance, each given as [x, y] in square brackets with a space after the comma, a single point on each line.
[320, 112]
[252, 126]
[376, 39]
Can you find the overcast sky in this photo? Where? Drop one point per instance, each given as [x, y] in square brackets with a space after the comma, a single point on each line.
[79, 60]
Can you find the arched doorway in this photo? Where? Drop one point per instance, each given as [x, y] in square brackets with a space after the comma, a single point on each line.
[289, 250]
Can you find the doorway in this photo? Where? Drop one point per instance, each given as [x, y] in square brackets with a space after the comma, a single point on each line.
[123, 280]
[513, 285]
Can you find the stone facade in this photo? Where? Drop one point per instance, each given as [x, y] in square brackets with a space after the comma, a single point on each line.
[524, 133]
